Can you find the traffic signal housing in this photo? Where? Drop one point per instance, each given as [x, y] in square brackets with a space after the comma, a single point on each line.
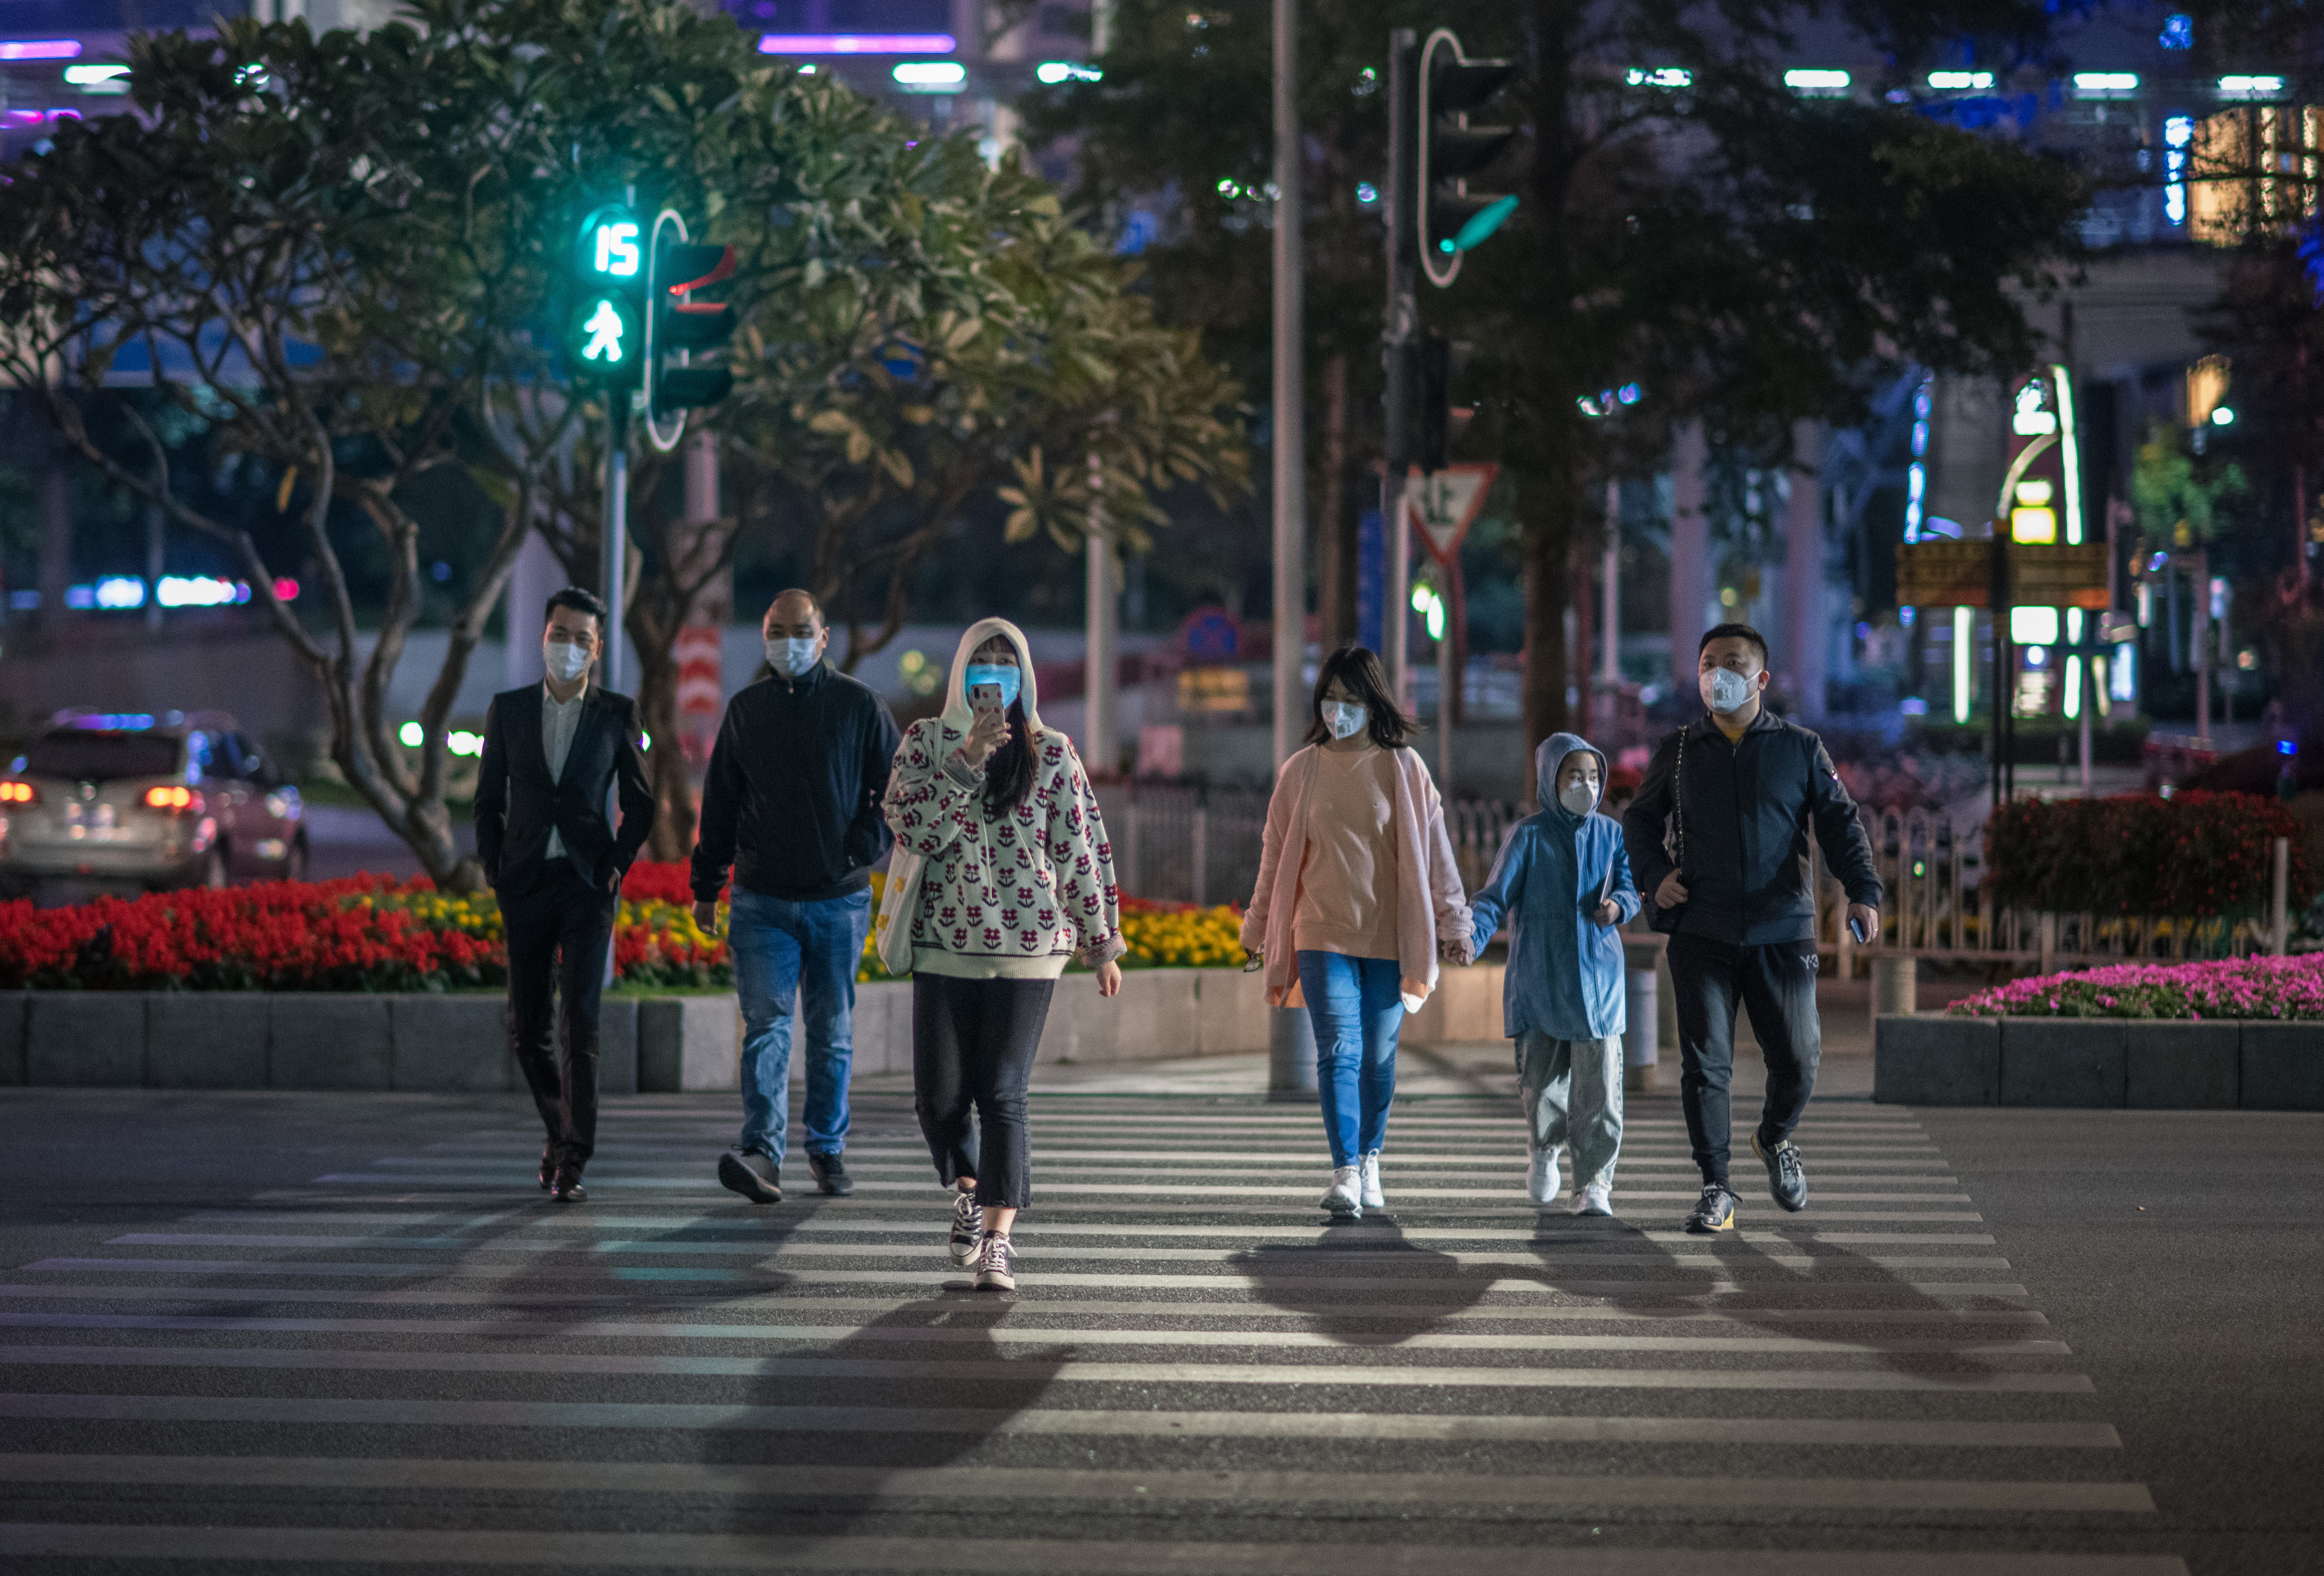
[1452, 219]
[605, 332]
[1440, 422]
[686, 323]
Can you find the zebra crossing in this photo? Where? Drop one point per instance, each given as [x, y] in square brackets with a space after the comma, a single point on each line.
[416, 1360]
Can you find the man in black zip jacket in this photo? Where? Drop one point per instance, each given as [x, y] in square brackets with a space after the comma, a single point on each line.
[1723, 848]
[792, 803]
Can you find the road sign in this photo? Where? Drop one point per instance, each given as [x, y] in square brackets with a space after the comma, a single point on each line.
[1947, 574]
[1443, 505]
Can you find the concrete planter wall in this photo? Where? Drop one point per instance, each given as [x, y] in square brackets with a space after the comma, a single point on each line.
[456, 1044]
[2098, 1062]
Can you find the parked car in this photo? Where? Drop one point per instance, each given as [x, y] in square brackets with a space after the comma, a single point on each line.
[102, 801]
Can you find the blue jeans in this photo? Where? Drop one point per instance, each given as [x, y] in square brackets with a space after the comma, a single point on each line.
[809, 951]
[1356, 1006]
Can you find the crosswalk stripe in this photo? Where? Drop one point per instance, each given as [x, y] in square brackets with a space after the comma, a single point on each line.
[1043, 1371]
[1917, 1433]
[610, 1206]
[1338, 1237]
[1019, 1306]
[791, 1552]
[1044, 1187]
[1310, 1262]
[800, 1479]
[843, 1217]
[939, 1335]
[1663, 1292]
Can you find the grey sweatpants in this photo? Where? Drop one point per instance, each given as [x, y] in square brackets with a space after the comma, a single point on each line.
[1572, 1095]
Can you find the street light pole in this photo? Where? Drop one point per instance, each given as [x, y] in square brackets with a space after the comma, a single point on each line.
[1290, 418]
[616, 533]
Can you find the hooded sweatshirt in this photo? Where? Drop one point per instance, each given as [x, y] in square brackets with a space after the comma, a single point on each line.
[1012, 895]
[1564, 976]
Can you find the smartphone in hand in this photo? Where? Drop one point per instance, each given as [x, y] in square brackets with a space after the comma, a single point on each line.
[1861, 931]
[984, 697]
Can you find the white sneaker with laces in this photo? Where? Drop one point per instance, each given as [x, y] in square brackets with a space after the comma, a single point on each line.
[996, 1268]
[1345, 1196]
[1373, 1198]
[1594, 1199]
[967, 1226]
[1542, 1182]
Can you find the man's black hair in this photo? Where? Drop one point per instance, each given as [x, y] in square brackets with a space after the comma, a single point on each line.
[1735, 633]
[580, 601]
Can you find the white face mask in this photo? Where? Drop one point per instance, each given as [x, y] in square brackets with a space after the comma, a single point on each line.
[791, 656]
[1577, 797]
[565, 661]
[1726, 690]
[1344, 718]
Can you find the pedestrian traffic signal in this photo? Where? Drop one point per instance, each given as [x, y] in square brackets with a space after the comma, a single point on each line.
[603, 341]
[684, 323]
[1440, 422]
[1452, 219]
[604, 337]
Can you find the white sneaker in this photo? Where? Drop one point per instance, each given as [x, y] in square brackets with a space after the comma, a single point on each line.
[996, 1263]
[1373, 1198]
[1542, 1182]
[1594, 1199]
[1345, 1196]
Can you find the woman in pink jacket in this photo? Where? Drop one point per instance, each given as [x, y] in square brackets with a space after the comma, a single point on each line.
[1357, 897]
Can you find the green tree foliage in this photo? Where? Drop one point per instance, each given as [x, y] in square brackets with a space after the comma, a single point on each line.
[337, 256]
[1749, 256]
[2178, 496]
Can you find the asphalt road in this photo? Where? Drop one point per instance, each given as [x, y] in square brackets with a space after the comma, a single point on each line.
[344, 1334]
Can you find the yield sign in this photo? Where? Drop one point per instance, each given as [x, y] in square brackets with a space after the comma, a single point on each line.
[1442, 506]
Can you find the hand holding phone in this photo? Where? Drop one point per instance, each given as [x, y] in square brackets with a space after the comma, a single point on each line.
[1863, 923]
[988, 732]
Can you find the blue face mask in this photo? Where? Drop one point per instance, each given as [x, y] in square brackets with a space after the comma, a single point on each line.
[1004, 673]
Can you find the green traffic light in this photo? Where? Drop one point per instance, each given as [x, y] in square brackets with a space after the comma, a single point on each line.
[605, 329]
[1481, 223]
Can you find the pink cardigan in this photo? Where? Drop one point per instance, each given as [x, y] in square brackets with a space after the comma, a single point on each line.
[1430, 905]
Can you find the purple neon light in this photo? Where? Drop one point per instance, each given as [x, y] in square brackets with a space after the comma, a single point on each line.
[40, 49]
[858, 43]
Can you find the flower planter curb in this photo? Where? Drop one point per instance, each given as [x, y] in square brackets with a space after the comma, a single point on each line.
[2099, 1064]
[458, 1044]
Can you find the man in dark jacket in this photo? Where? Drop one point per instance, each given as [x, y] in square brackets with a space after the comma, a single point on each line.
[792, 803]
[1721, 844]
[553, 755]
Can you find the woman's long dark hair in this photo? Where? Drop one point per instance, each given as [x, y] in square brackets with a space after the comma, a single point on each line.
[1009, 775]
[1359, 671]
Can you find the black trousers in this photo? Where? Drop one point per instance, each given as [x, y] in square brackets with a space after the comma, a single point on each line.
[1775, 984]
[558, 935]
[972, 1046]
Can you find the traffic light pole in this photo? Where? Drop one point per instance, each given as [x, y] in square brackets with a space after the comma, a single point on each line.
[1290, 404]
[617, 534]
[1398, 350]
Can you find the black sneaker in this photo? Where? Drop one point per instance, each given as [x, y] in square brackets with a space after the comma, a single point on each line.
[1713, 1213]
[967, 1226]
[754, 1177]
[830, 1174]
[565, 1188]
[1787, 1179]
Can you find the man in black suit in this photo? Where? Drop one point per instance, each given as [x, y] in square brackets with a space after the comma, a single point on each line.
[552, 756]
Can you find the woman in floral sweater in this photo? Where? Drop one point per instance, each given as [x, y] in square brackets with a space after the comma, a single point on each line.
[1019, 881]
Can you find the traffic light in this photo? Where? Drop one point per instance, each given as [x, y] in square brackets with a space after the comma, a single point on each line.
[1441, 422]
[1452, 219]
[604, 337]
[683, 322]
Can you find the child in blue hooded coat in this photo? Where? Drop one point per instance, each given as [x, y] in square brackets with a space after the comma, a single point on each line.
[1564, 883]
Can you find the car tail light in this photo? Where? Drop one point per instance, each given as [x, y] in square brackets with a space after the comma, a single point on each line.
[182, 801]
[19, 793]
